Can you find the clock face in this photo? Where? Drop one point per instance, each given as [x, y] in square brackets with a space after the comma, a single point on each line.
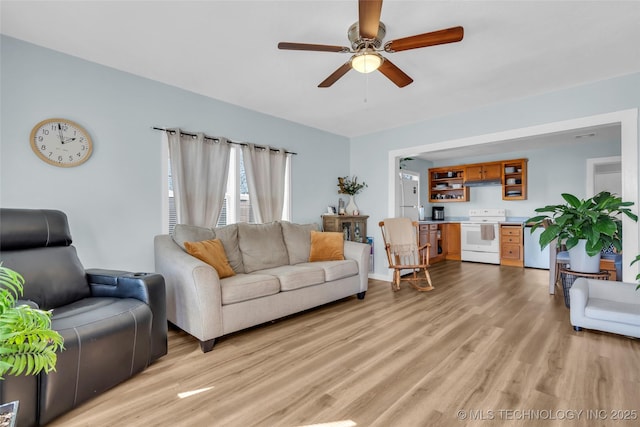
[61, 142]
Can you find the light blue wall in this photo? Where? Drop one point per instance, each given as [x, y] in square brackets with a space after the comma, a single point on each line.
[370, 153]
[114, 200]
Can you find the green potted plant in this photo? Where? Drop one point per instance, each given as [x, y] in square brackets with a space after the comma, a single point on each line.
[638, 275]
[403, 162]
[586, 227]
[28, 345]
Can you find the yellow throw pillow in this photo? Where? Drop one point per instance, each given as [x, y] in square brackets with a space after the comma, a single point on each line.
[212, 252]
[326, 246]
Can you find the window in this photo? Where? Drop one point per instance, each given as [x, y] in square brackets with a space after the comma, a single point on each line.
[237, 203]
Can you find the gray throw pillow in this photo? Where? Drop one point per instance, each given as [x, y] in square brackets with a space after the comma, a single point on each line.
[228, 235]
[191, 233]
[297, 238]
[262, 246]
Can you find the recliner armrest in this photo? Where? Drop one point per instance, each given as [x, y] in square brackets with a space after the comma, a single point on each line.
[146, 287]
[119, 284]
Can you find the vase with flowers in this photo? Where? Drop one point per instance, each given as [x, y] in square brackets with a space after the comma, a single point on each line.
[350, 186]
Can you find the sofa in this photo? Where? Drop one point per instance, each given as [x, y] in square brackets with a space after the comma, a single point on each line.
[113, 322]
[272, 275]
[606, 306]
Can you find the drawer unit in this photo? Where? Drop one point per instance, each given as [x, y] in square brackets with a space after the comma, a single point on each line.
[511, 252]
[511, 245]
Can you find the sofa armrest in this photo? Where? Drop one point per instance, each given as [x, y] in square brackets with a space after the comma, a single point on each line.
[194, 293]
[146, 287]
[359, 252]
[578, 297]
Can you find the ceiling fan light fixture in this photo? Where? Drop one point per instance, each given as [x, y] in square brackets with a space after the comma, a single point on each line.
[366, 61]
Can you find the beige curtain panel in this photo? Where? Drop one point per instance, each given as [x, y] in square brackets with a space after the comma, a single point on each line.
[199, 170]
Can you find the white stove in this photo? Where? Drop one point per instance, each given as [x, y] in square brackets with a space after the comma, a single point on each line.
[480, 235]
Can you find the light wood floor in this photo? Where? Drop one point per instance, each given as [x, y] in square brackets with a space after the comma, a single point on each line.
[488, 341]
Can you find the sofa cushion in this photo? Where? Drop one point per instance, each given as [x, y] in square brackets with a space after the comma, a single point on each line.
[334, 270]
[296, 276]
[33, 228]
[191, 233]
[211, 252]
[53, 276]
[243, 287]
[326, 246]
[297, 238]
[228, 235]
[613, 311]
[262, 246]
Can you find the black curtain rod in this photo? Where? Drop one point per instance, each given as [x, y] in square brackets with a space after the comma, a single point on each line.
[216, 139]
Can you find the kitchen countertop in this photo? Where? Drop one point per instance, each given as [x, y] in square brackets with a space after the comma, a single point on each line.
[446, 220]
[515, 220]
[511, 220]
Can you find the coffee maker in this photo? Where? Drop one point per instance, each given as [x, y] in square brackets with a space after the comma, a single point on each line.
[437, 213]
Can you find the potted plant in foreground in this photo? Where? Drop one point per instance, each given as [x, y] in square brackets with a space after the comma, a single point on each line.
[28, 345]
[586, 227]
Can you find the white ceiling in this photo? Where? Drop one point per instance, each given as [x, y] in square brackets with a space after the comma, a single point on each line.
[227, 50]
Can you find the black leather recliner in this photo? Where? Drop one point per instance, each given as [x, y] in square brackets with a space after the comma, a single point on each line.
[113, 322]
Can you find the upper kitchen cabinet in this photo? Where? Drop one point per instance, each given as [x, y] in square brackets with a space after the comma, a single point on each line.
[483, 172]
[447, 185]
[514, 179]
[452, 183]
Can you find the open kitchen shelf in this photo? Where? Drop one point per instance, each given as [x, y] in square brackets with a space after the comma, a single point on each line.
[514, 179]
[447, 185]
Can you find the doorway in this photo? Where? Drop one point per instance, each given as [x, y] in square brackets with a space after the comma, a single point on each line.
[626, 119]
[604, 174]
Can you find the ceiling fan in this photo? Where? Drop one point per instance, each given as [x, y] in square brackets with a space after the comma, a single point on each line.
[366, 41]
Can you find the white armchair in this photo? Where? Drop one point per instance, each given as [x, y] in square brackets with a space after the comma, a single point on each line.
[605, 306]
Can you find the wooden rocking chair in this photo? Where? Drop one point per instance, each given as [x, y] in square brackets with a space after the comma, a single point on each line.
[401, 241]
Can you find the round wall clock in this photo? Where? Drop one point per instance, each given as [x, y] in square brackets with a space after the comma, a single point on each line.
[61, 142]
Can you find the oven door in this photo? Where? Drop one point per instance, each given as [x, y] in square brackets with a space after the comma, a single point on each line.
[471, 238]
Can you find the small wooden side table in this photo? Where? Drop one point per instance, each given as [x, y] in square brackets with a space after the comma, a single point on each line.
[354, 227]
[568, 276]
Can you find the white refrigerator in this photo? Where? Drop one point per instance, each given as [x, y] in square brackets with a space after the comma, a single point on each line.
[409, 195]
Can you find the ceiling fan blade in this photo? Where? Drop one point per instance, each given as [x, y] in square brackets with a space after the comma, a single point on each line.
[312, 47]
[336, 75]
[449, 35]
[394, 73]
[369, 18]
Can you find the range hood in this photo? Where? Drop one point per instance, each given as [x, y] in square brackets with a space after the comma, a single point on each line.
[482, 183]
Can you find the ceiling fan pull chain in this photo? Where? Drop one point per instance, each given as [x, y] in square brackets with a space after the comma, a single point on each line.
[366, 87]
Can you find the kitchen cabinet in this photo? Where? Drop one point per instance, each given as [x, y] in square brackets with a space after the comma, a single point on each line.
[447, 185]
[483, 171]
[452, 245]
[433, 234]
[354, 227]
[511, 245]
[514, 179]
